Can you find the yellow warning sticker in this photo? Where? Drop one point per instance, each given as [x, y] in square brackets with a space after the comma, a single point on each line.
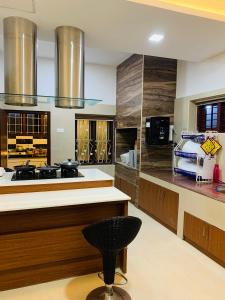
[208, 146]
[217, 147]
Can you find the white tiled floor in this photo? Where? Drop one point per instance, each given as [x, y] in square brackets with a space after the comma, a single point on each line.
[160, 267]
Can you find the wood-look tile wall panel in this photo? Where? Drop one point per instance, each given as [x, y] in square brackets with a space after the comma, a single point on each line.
[3, 138]
[146, 86]
[159, 92]
[129, 92]
[125, 141]
[127, 180]
[126, 173]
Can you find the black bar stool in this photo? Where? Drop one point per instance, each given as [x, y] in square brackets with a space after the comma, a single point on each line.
[110, 236]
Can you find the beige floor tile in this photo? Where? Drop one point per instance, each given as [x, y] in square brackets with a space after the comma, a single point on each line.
[160, 267]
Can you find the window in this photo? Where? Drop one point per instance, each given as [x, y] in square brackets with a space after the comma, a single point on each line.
[211, 117]
[94, 139]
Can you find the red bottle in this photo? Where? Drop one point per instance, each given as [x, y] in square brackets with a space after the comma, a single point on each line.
[216, 174]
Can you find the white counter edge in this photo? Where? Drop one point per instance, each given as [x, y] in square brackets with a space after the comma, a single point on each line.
[25, 201]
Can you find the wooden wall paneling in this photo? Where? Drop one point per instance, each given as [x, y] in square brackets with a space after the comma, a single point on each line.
[128, 188]
[3, 139]
[159, 92]
[126, 173]
[47, 244]
[117, 182]
[125, 141]
[12, 189]
[127, 181]
[57, 217]
[43, 246]
[48, 272]
[129, 92]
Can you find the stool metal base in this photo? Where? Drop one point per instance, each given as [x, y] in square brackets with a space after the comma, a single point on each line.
[100, 294]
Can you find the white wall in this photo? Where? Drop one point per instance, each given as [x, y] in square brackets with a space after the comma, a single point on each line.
[203, 77]
[198, 81]
[100, 83]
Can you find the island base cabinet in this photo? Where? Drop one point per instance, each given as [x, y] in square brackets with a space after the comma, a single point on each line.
[205, 237]
[47, 244]
[159, 202]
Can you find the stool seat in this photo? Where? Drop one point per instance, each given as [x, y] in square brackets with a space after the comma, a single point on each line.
[110, 236]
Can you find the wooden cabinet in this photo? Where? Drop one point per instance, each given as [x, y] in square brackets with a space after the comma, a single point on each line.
[126, 180]
[28, 123]
[206, 237]
[160, 203]
[38, 162]
[196, 231]
[217, 243]
[126, 187]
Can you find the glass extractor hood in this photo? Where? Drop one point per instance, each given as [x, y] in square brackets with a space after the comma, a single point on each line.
[75, 103]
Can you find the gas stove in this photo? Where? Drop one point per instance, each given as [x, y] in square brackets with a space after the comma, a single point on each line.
[38, 175]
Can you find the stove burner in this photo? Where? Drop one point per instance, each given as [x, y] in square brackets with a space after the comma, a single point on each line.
[48, 174]
[68, 173]
[25, 175]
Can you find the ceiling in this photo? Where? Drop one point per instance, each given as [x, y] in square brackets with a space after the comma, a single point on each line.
[46, 49]
[117, 28]
[202, 8]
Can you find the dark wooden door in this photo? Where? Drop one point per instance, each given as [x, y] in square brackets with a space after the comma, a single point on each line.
[196, 231]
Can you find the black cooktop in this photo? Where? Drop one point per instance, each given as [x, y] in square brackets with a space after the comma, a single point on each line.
[39, 176]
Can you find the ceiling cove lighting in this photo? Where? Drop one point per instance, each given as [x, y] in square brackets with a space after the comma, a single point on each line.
[156, 38]
[214, 10]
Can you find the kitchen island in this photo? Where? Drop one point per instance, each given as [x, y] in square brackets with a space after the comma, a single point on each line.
[41, 232]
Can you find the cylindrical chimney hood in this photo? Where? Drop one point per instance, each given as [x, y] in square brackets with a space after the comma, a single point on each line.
[20, 40]
[69, 67]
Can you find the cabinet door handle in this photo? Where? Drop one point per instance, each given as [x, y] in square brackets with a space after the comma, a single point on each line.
[203, 231]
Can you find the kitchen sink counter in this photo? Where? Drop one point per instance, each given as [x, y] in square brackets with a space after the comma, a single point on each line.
[198, 199]
[92, 178]
[206, 189]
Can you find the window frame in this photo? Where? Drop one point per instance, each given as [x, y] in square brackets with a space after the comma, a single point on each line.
[94, 117]
[202, 116]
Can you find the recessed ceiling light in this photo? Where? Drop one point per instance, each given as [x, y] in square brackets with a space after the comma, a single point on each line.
[156, 38]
